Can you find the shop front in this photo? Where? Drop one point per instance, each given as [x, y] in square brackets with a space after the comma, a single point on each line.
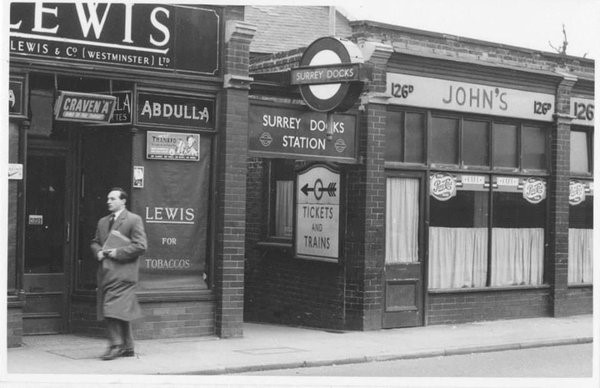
[118, 95]
[469, 198]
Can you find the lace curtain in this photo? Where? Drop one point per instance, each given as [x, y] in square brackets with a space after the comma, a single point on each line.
[402, 220]
[580, 255]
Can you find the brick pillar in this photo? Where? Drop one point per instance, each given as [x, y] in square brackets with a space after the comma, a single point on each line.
[365, 243]
[231, 180]
[558, 194]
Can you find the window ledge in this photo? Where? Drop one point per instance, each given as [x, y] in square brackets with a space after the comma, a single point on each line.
[486, 289]
[580, 285]
[149, 296]
[275, 244]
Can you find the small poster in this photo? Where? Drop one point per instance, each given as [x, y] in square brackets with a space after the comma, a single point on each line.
[173, 146]
[138, 177]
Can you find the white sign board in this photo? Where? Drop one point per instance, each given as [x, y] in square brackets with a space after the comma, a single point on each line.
[15, 171]
[318, 214]
[582, 109]
[467, 97]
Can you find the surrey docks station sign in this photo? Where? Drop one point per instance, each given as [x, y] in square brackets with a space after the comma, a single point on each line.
[139, 36]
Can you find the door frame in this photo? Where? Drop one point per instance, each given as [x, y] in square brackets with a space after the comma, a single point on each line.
[44, 146]
[421, 176]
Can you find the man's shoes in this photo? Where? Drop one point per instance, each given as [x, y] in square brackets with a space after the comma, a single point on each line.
[128, 352]
[113, 352]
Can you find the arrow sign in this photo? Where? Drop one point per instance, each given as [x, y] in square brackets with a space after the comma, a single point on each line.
[330, 189]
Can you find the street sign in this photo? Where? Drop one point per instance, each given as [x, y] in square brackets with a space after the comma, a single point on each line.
[318, 213]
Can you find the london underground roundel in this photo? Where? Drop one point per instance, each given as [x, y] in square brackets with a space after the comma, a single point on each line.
[329, 74]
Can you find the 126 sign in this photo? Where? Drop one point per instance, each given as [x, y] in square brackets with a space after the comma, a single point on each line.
[582, 110]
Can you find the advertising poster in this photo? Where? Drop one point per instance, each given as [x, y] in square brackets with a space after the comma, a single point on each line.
[173, 146]
[174, 206]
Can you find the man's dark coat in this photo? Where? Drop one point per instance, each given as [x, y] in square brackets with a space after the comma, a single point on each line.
[117, 277]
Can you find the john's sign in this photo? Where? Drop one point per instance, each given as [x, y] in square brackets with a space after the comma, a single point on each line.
[152, 36]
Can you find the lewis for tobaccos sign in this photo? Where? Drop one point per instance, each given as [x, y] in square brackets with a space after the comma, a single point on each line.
[140, 36]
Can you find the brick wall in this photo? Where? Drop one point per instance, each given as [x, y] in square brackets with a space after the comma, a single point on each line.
[281, 28]
[14, 326]
[279, 288]
[230, 209]
[410, 40]
[487, 305]
[579, 300]
[168, 319]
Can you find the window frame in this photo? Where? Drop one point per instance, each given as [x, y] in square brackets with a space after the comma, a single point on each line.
[269, 233]
[427, 164]
[589, 132]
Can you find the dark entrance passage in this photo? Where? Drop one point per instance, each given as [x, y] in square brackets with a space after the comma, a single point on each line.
[48, 231]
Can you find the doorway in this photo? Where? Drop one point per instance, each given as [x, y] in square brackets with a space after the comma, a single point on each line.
[48, 231]
[403, 272]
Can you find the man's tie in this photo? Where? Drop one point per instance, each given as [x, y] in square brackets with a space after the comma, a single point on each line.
[111, 221]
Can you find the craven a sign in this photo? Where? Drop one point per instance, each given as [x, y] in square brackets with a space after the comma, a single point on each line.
[278, 132]
[134, 35]
[444, 94]
[84, 107]
[318, 213]
[330, 74]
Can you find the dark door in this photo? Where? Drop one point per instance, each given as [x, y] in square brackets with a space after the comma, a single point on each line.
[403, 280]
[47, 239]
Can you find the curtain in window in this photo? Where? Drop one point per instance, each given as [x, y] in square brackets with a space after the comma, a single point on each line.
[517, 256]
[402, 221]
[457, 257]
[580, 255]
[284, 199]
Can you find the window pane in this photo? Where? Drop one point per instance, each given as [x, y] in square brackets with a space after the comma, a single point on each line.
[475, 138]
[415, 133]
[581, 222]
[579, 152]
[505, 145]
[282, 198]
[444, 138]
[402, 221]
[284, 202]
[458, 241]
[534, 148]
[393, 137]
[517, 240]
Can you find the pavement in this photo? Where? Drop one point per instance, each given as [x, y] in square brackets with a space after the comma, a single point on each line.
[266, 347]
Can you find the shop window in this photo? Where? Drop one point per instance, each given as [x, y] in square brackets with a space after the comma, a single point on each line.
[458, 240]
[281, 201]
[414, 134]
[533, 149]
[517, 238]
[461, 224]
[402, 220]
[580, 155]
[404, 138]
[580, 268]
[505, 145]
[475, 143]
[444, 141]
[394, 142]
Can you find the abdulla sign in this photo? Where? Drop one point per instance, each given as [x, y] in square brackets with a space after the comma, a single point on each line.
[330, 74]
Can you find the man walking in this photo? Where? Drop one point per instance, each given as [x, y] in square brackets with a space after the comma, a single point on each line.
[118, 272]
